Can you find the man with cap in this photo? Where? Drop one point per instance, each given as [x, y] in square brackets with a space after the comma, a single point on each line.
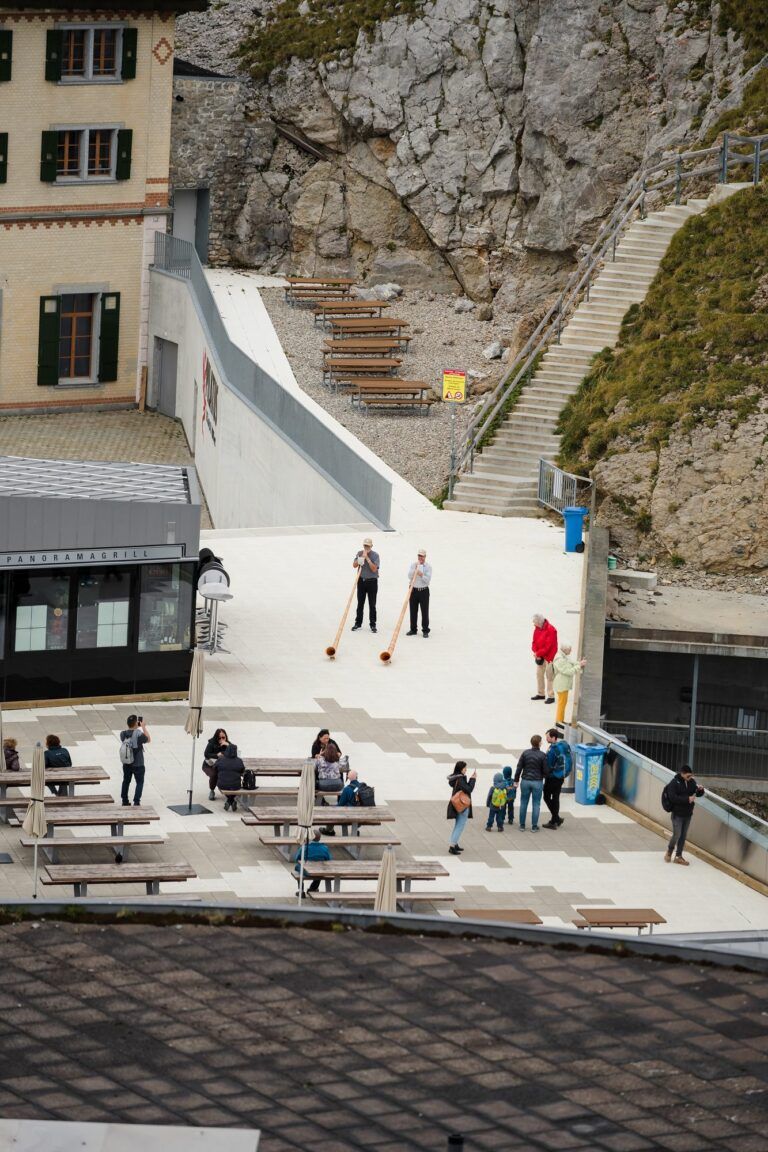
[368, 583]
[420, 593]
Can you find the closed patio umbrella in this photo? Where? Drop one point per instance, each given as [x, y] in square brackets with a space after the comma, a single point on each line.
[386, 889]
[34, 823]
[305, 811]
[194, 727]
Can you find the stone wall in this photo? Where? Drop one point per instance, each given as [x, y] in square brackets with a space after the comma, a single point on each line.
[212, 147]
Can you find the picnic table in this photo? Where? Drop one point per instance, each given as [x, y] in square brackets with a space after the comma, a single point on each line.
[334, 871]
[276, 766]
[388, 392]
[89, 774]
[360, 346]
[350, 818]
[114, 816]
[347, 308]
[619, 918]
[356, 325]
[151, 875]
[377, 366]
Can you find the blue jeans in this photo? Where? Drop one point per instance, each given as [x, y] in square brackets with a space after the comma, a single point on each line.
[132, 771]
[530, 790]
[496, 814]
[458, 825]
[511, 809]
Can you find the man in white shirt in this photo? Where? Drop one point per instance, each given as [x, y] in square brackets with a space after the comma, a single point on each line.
[420, 593]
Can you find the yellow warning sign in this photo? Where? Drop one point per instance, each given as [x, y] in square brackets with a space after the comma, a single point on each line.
[454, 387]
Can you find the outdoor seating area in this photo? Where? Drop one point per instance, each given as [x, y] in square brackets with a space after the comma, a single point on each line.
[363, 353]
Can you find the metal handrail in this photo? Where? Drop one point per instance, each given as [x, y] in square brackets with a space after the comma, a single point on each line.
[552, 323]
[559, 490]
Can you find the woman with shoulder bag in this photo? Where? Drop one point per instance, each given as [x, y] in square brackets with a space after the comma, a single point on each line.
[460, 803]
[213, 750]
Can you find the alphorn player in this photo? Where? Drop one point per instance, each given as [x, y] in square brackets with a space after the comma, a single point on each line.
[421, 574]
[367, 585]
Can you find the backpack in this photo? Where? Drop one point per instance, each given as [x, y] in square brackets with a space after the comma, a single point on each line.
[666, 803]
[127, 749]
[249, 780]
[366, 796]
[563, 760]
[499, 798]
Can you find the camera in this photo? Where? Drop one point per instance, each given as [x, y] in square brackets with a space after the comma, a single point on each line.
[140, 719]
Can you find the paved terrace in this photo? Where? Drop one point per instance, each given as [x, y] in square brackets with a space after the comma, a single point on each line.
[464, 692]
[339, 1041]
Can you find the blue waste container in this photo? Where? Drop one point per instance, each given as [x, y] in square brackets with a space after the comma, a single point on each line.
[574, 528]
[588, 769]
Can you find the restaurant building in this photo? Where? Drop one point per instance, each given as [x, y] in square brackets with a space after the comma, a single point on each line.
[97, 579]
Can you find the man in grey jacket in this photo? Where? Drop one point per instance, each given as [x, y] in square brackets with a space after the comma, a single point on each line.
[421, 574]
[368, 583]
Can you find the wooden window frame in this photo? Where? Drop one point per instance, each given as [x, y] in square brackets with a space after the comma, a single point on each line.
[88, 76]
[84, 176]
[93, 353]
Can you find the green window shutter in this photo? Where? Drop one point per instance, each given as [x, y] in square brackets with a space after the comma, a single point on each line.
[6, 53]
[109, 336]
[54, 42]
[48, 150]
[123, 162]
[3, 157]
[48, 342]
[128, 66]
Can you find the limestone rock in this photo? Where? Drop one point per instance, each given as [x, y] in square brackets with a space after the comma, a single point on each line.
[463, 304]
[493, 350]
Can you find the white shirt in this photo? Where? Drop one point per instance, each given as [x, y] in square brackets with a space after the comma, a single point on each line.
[423, 580]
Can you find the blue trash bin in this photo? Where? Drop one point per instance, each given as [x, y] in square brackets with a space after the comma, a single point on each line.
[588, 769]
[574, 528]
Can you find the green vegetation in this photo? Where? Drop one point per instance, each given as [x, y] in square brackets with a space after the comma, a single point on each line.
[748, 19]
[751, 117]
[328, 28]
[698, 344]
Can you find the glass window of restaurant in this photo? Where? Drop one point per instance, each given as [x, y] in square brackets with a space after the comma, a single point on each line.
[103, 608]
[40, 612]
[165, 612]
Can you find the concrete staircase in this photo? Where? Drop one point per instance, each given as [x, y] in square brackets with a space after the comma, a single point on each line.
[505, 477]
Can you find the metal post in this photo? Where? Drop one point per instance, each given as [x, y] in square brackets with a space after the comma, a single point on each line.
[678, 178]
[724, 160]
[756, 174]
[455, 1143]
[694, 702]
[453, 452]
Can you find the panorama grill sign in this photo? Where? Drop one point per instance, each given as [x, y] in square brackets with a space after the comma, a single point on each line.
[73, 557]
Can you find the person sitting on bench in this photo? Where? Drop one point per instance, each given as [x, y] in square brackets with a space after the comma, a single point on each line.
[230, 768]
[314, 850]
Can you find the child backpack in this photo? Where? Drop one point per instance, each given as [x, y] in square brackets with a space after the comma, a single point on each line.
[499, 797]
[126, 750]
[366, 796]
[666, 803]
[563, 760]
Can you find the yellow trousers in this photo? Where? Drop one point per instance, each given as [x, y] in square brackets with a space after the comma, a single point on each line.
[562, 700]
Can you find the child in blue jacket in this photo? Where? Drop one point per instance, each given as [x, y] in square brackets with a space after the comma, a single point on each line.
[496, 803]
[511, 788]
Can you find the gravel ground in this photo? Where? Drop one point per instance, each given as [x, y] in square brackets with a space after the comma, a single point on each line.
[416, 446]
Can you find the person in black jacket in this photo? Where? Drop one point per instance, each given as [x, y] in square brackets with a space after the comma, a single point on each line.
[56, 757]
[460, 782]
[681, 791]
[533, 768]
[230, 768]
[321, 742]
[213, 750]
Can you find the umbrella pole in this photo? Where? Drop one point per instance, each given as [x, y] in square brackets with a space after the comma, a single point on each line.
[34, 890]
[192, 773]
[302, 857]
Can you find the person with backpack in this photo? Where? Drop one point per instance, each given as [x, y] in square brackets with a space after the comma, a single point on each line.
[229, 769]
[57, 757]
[560, 763]
[348, 794]
[11, 755]
[531, 772]
[132, 741]
[678, 798]
[511, 788]
[460, 803]
[314, 850]
[496, 803]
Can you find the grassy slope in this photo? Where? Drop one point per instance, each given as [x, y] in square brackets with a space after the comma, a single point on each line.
[696, 346]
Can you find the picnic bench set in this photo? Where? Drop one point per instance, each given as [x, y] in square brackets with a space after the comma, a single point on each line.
[363, 352]
[78, 810]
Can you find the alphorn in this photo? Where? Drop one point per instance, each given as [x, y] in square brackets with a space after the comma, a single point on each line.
[332, 649]
[386, 656]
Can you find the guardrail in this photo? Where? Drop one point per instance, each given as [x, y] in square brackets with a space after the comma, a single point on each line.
[739, 753]
[671, 172]
[559, 489]
[295, 423]
[726, 831]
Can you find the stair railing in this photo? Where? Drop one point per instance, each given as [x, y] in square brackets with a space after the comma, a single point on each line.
[694, 164]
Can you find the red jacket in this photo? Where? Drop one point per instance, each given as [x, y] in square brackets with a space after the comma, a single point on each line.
[545, 641]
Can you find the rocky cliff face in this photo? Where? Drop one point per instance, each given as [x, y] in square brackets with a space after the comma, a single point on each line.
[473, 145]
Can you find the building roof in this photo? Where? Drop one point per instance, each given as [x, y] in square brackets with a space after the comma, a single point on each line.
[95, 480]
[116, 7]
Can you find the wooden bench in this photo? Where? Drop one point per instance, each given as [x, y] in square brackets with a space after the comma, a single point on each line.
[81, 875]
[619, 918]
[349, 819]
[293, 280]
[357, 346]
[333, 872]
[385, 392]
[422, 403]
[114, 816]
[337, 367]
[265, 793]
[310, 295]
[120, 845]
[288, 845]
[406, 899]
[502, 915]
[336, 309]
[16, 807]
[88, 774]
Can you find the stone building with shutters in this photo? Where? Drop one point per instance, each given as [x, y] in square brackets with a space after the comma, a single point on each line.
[85, 121]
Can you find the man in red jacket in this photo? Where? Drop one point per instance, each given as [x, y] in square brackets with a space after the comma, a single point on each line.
[544, 647]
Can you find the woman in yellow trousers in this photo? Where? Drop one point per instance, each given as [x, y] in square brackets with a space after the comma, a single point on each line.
[565, 669]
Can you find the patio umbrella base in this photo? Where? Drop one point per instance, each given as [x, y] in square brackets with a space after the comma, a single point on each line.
[189, 809]
[6, 858]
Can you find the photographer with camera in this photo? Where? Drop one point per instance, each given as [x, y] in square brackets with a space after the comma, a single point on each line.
[132, 741]
[680, 793]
